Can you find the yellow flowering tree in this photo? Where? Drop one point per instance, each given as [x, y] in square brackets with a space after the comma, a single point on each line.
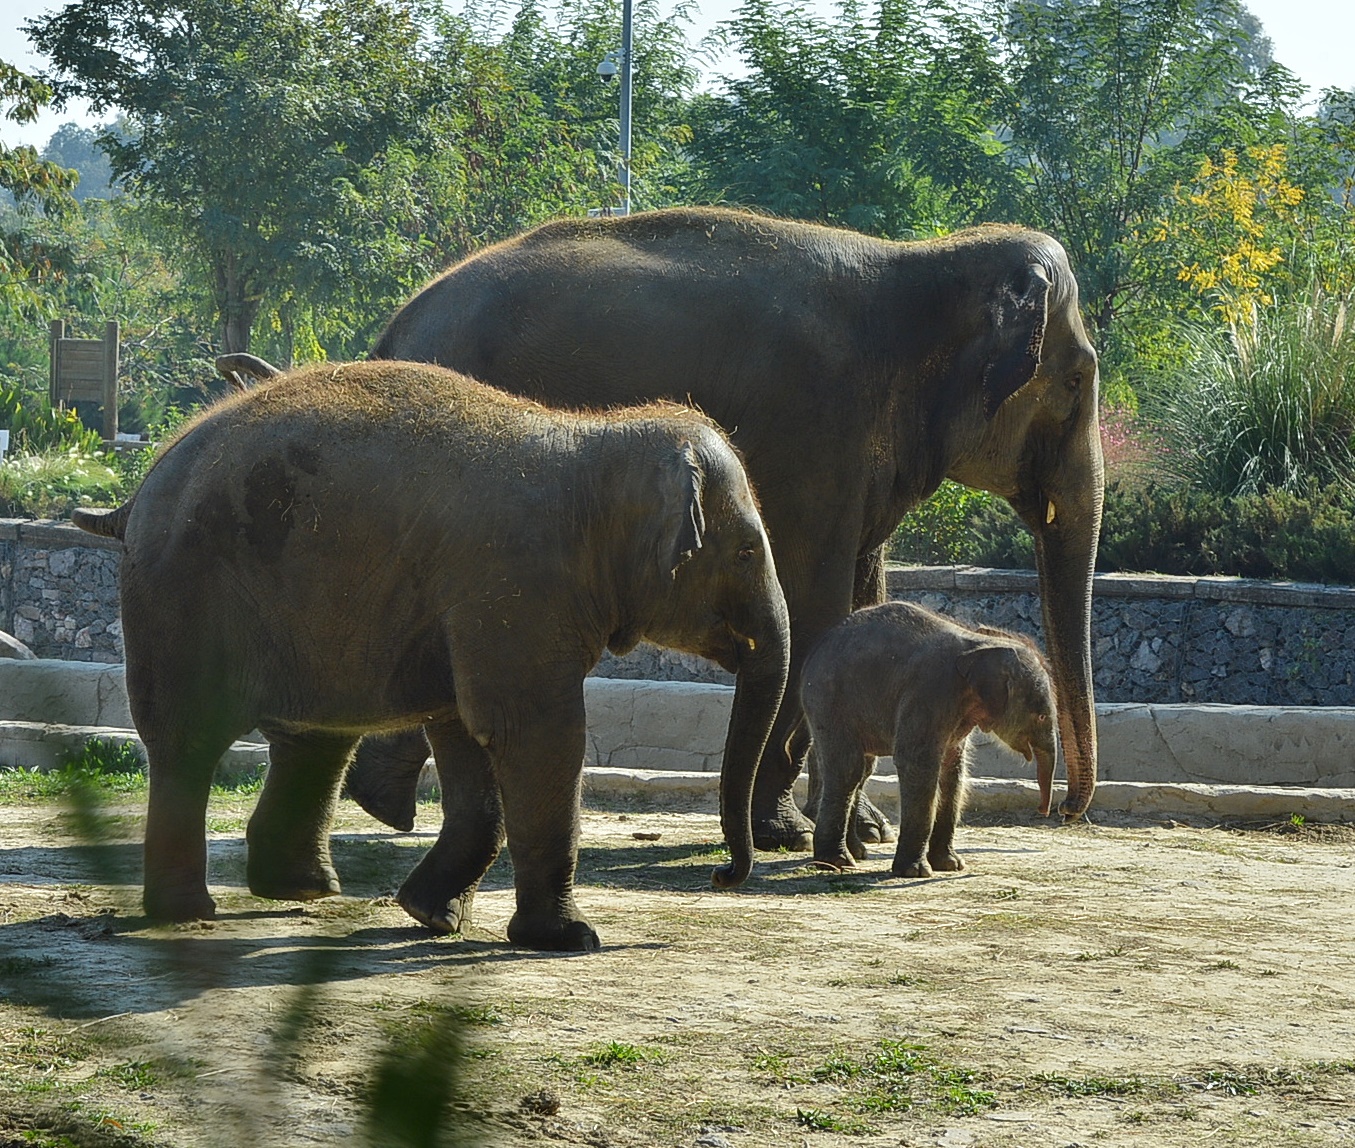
[1227, 231]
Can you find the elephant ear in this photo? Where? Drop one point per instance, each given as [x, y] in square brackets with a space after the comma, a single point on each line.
[1021, 311]
[988, 672]
[682, 521]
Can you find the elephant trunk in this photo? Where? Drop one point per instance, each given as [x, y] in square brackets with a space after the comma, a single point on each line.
[763, 669]
[1044, 777]
[1065, 553]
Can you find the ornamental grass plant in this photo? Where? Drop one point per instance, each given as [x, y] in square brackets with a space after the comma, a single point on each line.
[1263, 405]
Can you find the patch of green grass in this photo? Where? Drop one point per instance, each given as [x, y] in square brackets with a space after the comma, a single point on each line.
[225, 824]
[1091, 1085]
[1243, 1081]
[135, 1075]
[777, 1065]
[242, 786]
[897, 1075]
[816, 1120]
[616, 1054]
[1107, 954]
[1221, 966]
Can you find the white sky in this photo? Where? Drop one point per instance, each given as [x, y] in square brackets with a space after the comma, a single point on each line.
[1314, 38]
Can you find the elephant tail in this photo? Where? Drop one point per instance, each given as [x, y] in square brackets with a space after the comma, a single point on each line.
[106, 523]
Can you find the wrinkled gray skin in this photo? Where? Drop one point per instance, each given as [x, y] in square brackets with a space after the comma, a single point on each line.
[853, 374]
[899, 679]
[382, 545]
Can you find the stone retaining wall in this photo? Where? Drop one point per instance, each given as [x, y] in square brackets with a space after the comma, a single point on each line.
[1156, 639]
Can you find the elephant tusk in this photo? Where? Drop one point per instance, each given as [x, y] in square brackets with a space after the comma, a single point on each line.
[1049, 514]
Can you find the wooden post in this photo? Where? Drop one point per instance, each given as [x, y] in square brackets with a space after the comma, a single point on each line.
[110, 380]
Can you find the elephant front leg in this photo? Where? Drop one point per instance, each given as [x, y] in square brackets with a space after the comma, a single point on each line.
[777, 820]
[868, 589]
[440, 890]
[918, 757]
[541, 778]
[288, 835]
[842, 770]
[941, 853]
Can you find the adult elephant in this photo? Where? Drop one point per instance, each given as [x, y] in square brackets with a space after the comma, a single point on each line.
[853, 373]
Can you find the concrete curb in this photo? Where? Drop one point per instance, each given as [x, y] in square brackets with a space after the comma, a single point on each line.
[659, 789]
[662, 742]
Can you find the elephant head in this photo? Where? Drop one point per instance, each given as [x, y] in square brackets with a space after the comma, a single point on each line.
[1039, 446]
[1016, 702]
[718, 596]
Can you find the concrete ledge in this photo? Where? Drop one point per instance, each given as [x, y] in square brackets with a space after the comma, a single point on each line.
[63, 693]
[43, 746]
[48, 708]
[657, 789]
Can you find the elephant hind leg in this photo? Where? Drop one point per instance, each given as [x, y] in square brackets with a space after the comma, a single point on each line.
[439, 892]
[384, 776]
[288, 835]
[180, 763]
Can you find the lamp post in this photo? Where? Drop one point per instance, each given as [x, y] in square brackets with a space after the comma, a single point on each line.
[608, 70]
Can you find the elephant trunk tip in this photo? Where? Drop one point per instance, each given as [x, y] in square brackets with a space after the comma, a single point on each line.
[730, 876]
[1073, 807]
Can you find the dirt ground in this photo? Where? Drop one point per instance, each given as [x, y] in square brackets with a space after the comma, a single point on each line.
[1119, 983]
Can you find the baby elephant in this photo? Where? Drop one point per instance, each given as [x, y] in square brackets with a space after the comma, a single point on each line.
[901, 679]
[379, 546]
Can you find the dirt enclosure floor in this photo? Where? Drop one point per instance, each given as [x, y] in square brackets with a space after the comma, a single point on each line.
[1144, 983]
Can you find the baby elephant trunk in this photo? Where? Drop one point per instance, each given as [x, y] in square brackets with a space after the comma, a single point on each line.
[1044, 776]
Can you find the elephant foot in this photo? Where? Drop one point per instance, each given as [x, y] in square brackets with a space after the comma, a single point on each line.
[552, 934]
[452, 916]
[872, 825]
[834, 861]
[785, 828]
[308, 883]
[161, 905]
[914, 868]
[947, 862]
[384, 777]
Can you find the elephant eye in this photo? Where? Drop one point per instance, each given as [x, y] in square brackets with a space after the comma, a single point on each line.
[747, 553]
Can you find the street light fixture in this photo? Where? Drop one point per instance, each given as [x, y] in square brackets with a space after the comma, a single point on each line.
[614, 64]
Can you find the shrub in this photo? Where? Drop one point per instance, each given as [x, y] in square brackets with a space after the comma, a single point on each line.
[1147, 528]
[50, 484]
[937, 531]
[34, 426]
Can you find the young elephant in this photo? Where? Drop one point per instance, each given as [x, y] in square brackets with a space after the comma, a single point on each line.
[901, 679]
[378, 546]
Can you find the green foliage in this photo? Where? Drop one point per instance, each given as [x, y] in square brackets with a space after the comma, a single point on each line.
[415, 1085]
[881, 123]
[132, 465]
[35, 426]
[1109, 105]
[1277, 535]
[938, 532]
[1267, 405]
[34, 183]
[50, 484]
[105, 765]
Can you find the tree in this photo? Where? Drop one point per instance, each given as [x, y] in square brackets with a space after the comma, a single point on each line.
[262, 129]
[1111, 103]
[879, 122]
[33, 183]
[75, 147]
